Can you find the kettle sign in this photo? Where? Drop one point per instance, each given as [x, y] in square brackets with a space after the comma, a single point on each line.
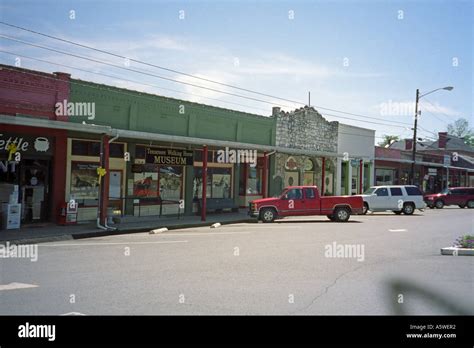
[41, 144]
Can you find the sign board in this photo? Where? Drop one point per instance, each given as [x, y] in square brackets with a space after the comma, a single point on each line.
[447, 160]
[354, 162]
[27, 144]
[169, 157]
[432, 171]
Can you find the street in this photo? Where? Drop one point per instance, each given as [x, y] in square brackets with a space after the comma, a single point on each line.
[279, 268]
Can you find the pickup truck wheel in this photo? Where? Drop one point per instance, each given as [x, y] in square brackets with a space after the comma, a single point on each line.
[408, 208]
[470, 204]
[268, 215]
[439, 204]
[341, 214]
[365, 208]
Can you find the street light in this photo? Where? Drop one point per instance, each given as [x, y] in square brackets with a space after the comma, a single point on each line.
[418, 96]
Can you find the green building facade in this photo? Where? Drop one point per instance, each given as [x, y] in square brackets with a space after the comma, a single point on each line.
[157, 152]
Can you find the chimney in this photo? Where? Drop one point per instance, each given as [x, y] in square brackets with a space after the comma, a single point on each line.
[275, 111]
[442, 139]
[408, 144]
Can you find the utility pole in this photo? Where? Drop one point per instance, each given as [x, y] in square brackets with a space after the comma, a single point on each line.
[309, 98]
[414, 139]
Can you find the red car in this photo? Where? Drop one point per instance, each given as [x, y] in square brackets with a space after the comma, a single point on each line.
[460, 196]
[306, 200]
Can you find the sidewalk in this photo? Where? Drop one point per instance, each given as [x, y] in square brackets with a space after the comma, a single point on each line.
[39, 233]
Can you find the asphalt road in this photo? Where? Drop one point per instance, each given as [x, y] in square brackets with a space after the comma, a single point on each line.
[279, 268]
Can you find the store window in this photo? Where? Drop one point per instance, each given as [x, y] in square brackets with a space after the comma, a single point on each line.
[250, 180]
[171, 182]
[219, 183]
[254, 180]
[165, 182]
[92, 148]
[199, 158]
[384, 176]
[84, 183]
[145, 184]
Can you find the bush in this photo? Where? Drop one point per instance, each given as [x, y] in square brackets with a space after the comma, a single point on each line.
[466, 241]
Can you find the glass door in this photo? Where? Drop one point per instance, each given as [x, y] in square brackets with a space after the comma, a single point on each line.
[34, 184]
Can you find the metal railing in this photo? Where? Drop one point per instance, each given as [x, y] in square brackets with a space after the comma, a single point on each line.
[120, 203]
[143, 202]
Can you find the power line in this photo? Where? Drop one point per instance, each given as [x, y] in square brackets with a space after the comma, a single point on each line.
[128, 80]
[136, 71]
[371, 122]
[441, 112]
[106, 63]
[120, 91]
[186, 74]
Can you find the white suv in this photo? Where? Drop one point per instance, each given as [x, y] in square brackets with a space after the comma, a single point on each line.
[397, 198]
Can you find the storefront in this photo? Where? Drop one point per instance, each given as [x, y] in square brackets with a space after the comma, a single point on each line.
[356, 166]
[306, 170]
[82, 181]
[29, 164]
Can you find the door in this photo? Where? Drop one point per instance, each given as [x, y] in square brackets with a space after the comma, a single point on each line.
[396, 195]
[293, 203]
[34, 178]
[381, 199]
[115, 189]
[452, 197]
[311, 201]
[457, 197]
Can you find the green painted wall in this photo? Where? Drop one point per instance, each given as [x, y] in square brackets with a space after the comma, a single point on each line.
[131, 110]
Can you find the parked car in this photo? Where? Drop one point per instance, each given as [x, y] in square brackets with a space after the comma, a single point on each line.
[303, 201]
[460, 196]
[397, 198]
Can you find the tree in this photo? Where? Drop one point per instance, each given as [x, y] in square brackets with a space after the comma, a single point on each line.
[460, 128]
[388, 139]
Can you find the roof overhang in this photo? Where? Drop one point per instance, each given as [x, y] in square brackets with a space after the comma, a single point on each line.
[177, 139]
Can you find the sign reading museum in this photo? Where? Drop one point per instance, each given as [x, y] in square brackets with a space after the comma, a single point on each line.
[169, 157]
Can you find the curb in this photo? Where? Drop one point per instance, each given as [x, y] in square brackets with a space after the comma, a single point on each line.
[101, 233]
[458, 251]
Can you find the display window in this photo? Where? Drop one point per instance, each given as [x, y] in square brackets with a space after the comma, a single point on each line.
[250, 181]
[84, 183]
[219, 182]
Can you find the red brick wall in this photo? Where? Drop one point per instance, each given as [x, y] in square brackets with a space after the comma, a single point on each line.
[33, 93]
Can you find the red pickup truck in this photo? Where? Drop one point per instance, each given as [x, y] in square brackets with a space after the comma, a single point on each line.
[305, 200]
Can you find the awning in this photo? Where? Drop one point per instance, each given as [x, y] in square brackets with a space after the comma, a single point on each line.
[427, 164]
[138, 135]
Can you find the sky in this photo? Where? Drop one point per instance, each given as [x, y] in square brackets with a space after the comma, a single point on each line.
[355, 57]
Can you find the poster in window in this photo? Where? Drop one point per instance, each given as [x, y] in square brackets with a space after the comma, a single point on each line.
[170, 182]
[84, 180]
[115, 184]
[145, 184]
[221, 186]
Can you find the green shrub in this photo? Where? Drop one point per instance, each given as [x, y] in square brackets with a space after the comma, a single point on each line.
[466, 241]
